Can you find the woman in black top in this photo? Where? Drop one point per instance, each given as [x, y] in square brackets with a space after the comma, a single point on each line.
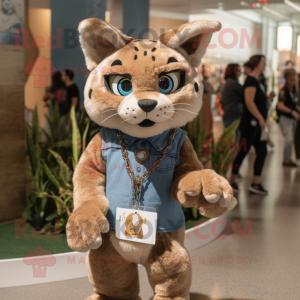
[297, 133]
[288, 111]
[253, 122]
[232, 97]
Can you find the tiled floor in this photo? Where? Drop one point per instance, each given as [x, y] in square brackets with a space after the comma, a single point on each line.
[263, 264]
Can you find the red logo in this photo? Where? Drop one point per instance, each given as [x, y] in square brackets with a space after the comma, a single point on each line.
[41, 68]
[39, 258]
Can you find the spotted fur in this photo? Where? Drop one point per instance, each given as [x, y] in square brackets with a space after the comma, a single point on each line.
[142, 62]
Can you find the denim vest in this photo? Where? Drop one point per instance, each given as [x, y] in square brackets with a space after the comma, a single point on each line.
[156, 188]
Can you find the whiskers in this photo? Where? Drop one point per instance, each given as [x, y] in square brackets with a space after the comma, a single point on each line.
[126, 120]
[109, 117]
[182, 104]
[109, 110]
[173, 111]
[187, 111]
[175, 108]
[168, 118]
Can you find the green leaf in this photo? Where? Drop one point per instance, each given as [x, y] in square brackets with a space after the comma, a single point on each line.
[33, 151]
[64, 171]
[47, 225]
[41, 194]
[52, 216]
[51, 176]
[35, 127]
[62, 224]
[195, 212]
[43, 204]
[66, 200]
[28, 207]
[84, 136]
[76, 143]
[58, 203]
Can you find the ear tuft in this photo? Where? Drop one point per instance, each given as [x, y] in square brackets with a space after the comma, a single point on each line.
[191, 39]
[99, 39]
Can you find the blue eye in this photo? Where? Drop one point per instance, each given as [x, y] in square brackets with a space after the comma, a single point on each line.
[169, 83]
[165, 84]
[125, 87]
[120, 85]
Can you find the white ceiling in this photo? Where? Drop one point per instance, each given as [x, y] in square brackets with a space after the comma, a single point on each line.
[199, 6]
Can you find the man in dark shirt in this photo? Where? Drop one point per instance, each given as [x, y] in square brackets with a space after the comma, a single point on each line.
[72, 96]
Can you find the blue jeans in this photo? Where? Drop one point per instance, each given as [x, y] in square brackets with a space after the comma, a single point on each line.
[287, 126]
[228, 122]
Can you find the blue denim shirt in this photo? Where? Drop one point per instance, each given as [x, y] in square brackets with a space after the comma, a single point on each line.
[156, 188]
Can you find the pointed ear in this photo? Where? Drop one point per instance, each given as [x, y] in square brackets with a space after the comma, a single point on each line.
[191, 39]
[98, 40]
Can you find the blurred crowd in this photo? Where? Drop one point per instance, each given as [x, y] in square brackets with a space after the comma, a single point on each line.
[252, 105]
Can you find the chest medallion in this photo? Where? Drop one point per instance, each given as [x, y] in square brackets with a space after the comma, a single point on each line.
[141, 155]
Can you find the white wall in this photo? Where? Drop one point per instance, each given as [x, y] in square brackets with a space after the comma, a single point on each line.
[231, 22]
[239, 20]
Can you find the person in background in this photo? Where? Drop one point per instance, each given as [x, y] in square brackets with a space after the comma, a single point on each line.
[57, 92]
[286, 66]
[288, 110]
[232, 97]
[253, 122]
[264, 85]
[297, 133]
[72, 96]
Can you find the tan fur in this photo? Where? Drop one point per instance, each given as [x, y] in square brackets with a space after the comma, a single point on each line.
[169, 267]
[204, 182]
[105, 39]
[167, 262]
[144, 80]
[191, 39]
[111, 275]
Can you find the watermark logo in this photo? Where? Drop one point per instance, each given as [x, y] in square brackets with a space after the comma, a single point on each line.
[67, 38]
[39, 258]
[40, 68]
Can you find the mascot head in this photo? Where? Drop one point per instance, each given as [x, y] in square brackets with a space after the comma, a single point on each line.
[144, 87]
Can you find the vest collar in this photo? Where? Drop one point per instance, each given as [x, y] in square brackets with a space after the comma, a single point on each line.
[159, 141]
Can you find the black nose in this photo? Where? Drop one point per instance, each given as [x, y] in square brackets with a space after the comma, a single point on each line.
[147, 105]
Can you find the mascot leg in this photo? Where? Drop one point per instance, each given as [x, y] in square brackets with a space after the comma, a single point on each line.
[169, 267]
[110, 274]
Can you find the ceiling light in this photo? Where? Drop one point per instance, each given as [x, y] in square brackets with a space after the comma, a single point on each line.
[284, 38]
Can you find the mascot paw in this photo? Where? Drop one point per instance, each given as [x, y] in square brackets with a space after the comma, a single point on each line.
[208, 191]
[85, 226]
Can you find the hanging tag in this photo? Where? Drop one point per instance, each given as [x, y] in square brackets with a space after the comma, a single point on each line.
[137, 224]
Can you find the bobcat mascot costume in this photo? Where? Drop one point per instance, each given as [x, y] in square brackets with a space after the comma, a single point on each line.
[141, 92]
